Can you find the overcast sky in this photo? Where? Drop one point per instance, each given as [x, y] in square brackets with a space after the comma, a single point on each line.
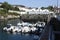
[33, 3]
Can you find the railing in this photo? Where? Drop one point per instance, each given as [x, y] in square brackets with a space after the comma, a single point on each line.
[51, 35]
[47, 33]
[43, 37]
[52, 30]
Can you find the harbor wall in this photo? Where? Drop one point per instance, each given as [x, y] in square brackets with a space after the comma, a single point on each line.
[36, 17]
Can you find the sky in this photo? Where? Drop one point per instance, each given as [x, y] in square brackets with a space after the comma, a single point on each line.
[33, 3]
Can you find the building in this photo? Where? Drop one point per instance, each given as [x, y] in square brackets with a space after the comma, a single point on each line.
[40, 11]
[56, 10]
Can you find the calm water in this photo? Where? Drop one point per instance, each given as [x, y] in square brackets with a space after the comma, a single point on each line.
[9, 36]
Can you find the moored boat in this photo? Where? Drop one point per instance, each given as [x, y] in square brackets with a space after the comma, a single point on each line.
[24, 27]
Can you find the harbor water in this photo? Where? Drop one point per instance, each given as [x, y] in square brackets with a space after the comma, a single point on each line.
[15, 36]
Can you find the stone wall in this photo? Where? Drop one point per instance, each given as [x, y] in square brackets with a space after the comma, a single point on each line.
[34, 17]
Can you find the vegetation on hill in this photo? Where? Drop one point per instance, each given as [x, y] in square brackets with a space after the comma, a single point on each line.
[49, 8]
[4, 12]
[13, 14]
[7, 6]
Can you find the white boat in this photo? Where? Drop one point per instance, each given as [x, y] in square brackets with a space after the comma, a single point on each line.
[26, 29]
[40, 24]
[9, 27]
[33, 29]
[15, 29]
[23, 24]
[19, 24]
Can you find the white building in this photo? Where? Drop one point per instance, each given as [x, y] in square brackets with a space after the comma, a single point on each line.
[40, 11]
[25, 10]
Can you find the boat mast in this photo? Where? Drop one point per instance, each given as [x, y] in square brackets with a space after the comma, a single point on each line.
[57, 6]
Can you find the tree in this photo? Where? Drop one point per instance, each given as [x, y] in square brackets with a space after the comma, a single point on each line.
[50, 8]
[16, 8]
[42, 8]
[7, 6]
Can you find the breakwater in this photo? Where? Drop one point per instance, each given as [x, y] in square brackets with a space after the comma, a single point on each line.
[36, 17]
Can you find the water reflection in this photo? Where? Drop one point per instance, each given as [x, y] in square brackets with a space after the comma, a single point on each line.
[8, 36]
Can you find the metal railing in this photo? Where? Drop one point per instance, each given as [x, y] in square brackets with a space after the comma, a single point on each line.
[47, 33]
